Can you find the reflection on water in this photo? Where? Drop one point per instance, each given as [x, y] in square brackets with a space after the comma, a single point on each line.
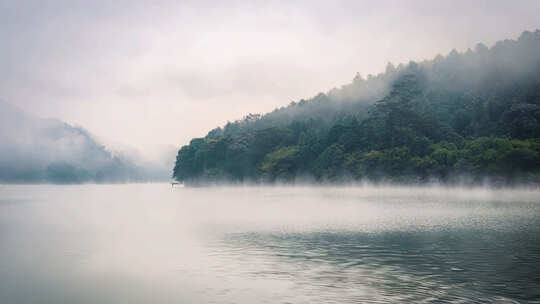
[154, 244]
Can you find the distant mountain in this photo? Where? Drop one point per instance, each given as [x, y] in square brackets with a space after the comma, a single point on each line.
[36, 150]
[466, 116]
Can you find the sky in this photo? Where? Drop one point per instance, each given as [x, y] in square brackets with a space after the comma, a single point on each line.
[147, 76]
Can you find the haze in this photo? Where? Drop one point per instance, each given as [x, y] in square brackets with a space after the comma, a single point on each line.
[149, 77]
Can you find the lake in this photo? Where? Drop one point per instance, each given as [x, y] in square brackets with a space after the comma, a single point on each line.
[151, 243]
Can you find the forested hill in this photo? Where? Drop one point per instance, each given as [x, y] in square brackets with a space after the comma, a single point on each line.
[471, 115]
[37, 150]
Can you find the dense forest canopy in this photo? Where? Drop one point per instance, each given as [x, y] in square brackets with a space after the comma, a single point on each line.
[471, 115]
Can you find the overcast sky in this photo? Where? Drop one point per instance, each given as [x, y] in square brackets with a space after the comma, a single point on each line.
[150, 76]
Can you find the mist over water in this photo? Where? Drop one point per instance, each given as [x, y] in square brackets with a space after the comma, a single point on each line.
[155, 244]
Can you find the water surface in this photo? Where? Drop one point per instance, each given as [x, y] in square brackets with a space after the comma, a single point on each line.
[157, 244]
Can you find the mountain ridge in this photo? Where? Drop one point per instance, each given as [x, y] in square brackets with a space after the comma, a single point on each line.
[39, 150]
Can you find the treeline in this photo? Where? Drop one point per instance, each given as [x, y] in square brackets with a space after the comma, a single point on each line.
[471, 115]
[116, 170]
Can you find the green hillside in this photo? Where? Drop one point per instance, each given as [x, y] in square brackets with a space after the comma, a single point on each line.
[466, 116]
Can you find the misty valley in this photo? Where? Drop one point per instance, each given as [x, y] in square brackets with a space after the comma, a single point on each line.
[471, 117]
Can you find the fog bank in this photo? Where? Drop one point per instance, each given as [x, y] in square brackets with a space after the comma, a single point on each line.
[36, 150]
